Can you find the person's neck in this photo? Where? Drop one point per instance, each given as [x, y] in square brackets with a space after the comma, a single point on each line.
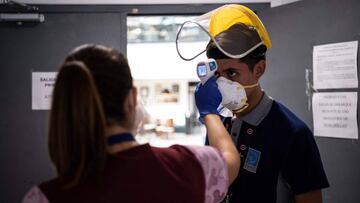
[114, 130]
[253, 101]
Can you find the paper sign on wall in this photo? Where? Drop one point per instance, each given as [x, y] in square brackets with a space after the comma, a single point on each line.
[42, 87]
[334, 114]
[335, 65]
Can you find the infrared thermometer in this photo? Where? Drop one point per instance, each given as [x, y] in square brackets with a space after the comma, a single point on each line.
[206, 69]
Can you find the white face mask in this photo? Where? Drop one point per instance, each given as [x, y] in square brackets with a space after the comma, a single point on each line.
[233, 94]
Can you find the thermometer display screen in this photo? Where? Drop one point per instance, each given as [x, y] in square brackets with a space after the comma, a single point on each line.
[201, 70]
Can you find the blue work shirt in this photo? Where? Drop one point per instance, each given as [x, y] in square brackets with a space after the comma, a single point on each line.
[277, 148]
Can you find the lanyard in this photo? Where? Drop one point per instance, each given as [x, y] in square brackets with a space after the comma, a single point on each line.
[119, 138]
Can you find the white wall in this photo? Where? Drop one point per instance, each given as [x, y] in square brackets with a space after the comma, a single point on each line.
[275, 3]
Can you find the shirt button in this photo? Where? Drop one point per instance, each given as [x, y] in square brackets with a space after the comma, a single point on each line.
[249, 131]
[242, 147]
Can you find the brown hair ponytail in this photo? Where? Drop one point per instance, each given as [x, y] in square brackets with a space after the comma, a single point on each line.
[77, 125]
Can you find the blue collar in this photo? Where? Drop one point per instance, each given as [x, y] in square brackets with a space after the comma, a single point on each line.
[119, 138]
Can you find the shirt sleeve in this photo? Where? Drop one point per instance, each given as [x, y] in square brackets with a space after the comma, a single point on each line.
[34, 195]
[303, 169]
[215, 172]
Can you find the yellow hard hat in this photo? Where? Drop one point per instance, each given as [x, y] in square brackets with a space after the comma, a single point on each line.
[233, 31]
[226, 16]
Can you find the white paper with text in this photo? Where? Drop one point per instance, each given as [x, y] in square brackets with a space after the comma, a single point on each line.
[42, 87]
[335, 65]
[334, 114]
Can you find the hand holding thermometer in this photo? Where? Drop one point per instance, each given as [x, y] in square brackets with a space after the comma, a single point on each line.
[206, 69]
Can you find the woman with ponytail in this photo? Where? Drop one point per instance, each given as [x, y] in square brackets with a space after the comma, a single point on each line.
[96, 157]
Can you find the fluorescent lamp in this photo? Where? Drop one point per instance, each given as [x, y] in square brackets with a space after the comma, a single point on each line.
[22, 17]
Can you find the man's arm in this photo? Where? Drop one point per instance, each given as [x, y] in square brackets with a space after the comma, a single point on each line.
[309, 197]
[303, 169]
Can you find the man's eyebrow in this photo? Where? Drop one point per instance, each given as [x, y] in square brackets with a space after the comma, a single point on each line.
[230, 68]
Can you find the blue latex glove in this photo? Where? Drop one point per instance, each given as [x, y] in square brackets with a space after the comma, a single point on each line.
[207, 98]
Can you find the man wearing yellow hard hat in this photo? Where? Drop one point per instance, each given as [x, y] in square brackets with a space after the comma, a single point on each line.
[275, 146]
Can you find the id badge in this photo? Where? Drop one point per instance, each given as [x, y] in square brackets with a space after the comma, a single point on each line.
[252, 160]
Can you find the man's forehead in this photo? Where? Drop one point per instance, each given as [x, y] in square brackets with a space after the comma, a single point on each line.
[226, 60]
[224, 64]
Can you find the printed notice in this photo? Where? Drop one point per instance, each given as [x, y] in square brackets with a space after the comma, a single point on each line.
[334, 114]
[335, 65]
[42, 87]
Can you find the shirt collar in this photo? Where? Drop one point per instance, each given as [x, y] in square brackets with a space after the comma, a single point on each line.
[255, 116]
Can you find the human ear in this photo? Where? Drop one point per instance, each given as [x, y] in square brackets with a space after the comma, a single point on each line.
[259, 69]
[134, 95]
[131, 101]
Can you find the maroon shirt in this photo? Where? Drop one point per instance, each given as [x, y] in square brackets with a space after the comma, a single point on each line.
[140, 174]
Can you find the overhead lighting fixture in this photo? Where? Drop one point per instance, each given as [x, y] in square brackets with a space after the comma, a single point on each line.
[22, 17]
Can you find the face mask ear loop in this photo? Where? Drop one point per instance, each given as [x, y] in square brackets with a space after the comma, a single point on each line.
[250, 86]
[246, 104]
[241, 109]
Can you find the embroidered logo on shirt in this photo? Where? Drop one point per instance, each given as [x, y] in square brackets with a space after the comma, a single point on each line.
[249, 131]
[252, 160]
[242, 147]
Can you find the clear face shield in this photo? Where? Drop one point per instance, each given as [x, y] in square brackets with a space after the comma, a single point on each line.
[234, 29]
[191, 40]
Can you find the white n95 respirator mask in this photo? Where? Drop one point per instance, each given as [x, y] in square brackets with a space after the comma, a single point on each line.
[233, 94]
